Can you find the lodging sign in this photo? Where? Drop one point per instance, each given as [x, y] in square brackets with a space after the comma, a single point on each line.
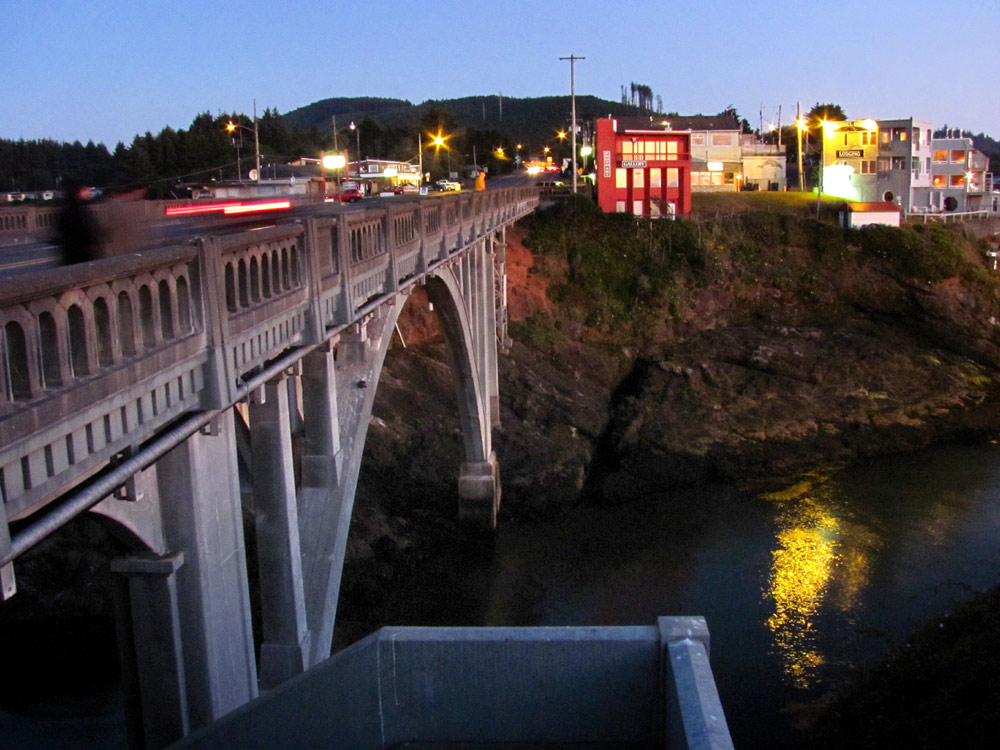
[850, 153]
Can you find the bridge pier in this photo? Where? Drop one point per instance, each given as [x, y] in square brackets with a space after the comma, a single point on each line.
[198, 487]
[285, 647]
[151, 652]
[479, 493]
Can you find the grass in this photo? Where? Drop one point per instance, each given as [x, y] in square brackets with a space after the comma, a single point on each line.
[707, 205]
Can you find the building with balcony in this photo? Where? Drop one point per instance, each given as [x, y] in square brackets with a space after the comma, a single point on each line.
[724, 158]
[904, 162]
[643, 168]
[960, 177]
[899, 161]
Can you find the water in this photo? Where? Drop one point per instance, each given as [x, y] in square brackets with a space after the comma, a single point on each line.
[798, 587]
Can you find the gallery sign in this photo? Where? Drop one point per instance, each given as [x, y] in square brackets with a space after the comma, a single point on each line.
[633, 163]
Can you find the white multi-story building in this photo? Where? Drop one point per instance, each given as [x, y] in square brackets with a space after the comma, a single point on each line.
[724, 158]
[900, 161]
[904, 162]
[960, 179]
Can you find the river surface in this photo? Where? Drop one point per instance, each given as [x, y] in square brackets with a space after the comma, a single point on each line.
[799, 587]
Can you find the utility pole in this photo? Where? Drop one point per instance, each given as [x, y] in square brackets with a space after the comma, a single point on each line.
[572, 93]
[256, 140]
[798, 131]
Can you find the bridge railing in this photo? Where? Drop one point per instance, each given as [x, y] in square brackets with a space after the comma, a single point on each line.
[98, 357]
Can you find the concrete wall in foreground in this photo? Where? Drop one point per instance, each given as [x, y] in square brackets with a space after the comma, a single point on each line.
[634, 686]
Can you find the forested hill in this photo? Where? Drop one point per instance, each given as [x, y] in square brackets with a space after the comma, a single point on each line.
[529, 119]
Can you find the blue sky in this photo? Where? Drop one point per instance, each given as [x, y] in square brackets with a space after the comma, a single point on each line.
[108, 69]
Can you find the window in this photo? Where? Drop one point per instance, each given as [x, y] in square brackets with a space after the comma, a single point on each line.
[957, 181]
[672, 150]
[620, 178]
[637, 208]
[916, 136]
[672, 178]
[941, 156]
[638, 182]
[900, 134]
[620, 207]
[958, 157]
[915, 165]
[868, 166]
[655, 179]
[627, 148]
[938, 181]
[868, 138]
[722, 139]
[697, 139]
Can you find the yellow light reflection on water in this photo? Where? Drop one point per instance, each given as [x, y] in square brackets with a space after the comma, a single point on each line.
[820, 560]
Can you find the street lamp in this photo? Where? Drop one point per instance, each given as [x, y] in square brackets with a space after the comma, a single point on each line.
[332, 161]
[231, 127]
[440, 141]
[357, 133]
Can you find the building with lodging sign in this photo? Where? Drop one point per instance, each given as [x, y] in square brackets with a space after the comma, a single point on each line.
[642, 168]
[901, 162]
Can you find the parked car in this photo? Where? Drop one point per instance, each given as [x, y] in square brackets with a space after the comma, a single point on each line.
[446, 185]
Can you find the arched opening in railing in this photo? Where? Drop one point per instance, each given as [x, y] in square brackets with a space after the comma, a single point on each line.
[102, 321]
[241, 272]
[126, 325]
[230, 288]
[265, 276]
[183, 305]
[77, 342]
[146, 320]
[254, 280]
[284, 269]
[166, 311]
[294, 262]
[16, 361]
[49, 346]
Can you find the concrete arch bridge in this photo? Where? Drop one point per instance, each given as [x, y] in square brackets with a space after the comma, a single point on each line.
[122, 381]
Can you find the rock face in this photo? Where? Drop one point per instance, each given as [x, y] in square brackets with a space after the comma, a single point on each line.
[798, 357]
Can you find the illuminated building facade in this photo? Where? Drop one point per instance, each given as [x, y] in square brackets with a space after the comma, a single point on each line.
[960, 180]
[724, 158]
[850, 160]
[642, 168]
[901, 162]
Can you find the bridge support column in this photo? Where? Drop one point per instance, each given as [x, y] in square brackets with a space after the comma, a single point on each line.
[152, 659]
[479, 493]
[285, 647]
[198, 487]
[326, 504]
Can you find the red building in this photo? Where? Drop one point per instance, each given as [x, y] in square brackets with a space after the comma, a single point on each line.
[642, 168]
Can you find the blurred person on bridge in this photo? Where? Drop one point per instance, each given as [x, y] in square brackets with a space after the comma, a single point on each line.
[77, 231]
[481, 180]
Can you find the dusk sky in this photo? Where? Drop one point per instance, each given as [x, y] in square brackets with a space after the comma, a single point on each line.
[105, 70]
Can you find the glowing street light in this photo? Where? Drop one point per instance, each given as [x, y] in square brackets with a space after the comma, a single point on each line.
[357, 133]
[232, 127]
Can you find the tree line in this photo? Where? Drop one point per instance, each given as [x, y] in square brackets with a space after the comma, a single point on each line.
[205, 150]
